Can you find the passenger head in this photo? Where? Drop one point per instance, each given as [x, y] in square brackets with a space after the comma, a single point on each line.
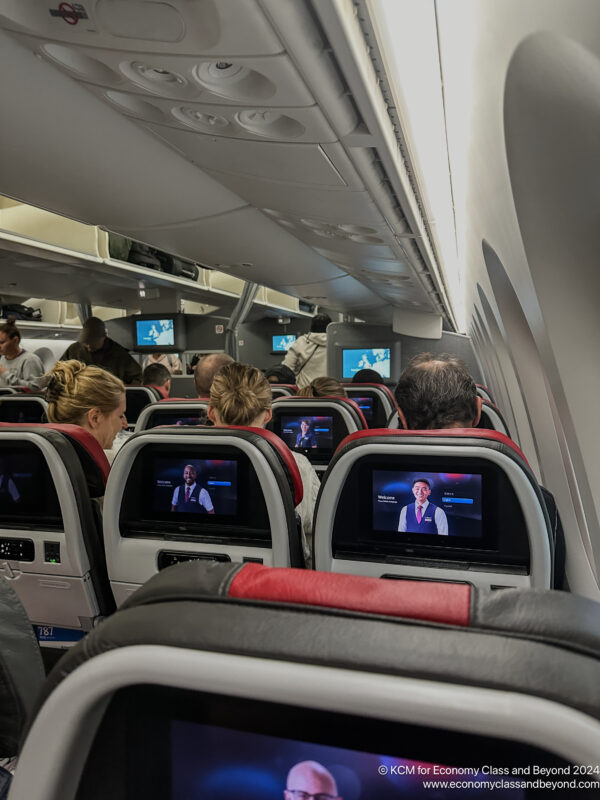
[157, 375]
[10, 338]
[310, 778]
[367, 376]
[240, 395]
[206, 369]
[89, 397]
[319, 323]
[421, 489]
[280, 374]
[437, 391]
[323, 387]
[93, 334]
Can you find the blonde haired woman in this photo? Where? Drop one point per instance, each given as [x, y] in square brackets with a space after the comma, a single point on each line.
[241, 395]
[85, 395]
[323, 387]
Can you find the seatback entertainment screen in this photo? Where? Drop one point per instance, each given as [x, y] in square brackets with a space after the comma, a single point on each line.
[307, 432]
[433, 503]
[194, 486]
[366, 406]
[377, 358]
[186, 417]
[209, 761]
[283, 343]
[21, 411]
[155, 332]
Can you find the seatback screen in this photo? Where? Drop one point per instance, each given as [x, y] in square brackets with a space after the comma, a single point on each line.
[312, 433]
[195, 486]
[366, 406]
[208, 761]
[27, 491]
[183, 417]
[432, 503]
[21, 411]
[283, 343]
[155, 332]
[377, 358]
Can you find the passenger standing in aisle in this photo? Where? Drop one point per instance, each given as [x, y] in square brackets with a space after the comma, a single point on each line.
[307, 357]
[18, 367]
[96, 348]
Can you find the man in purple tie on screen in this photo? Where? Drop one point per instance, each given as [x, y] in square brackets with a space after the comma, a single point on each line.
[423, 516]
[190, 496]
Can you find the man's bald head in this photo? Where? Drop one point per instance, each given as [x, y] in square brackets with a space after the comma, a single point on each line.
[437, 391]
[311, 778]
[206, 369]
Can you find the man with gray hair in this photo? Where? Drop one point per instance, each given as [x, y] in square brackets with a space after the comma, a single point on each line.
[206, 369]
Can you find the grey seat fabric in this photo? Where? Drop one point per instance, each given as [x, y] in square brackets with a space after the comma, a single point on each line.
[21, 669]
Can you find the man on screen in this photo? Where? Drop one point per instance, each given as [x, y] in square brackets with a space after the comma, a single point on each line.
[306, 437]
[423, 516]
[190, 496]
[309, 780]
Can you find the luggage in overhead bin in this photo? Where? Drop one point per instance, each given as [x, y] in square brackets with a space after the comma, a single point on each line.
[144, 256]
[19, 311]
[176, 266]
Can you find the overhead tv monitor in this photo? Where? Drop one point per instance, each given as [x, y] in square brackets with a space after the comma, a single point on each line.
[355, 359]
[281, 344]
[439, 504]
[159, 333]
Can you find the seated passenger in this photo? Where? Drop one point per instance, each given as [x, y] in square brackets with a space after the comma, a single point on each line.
[168, 360]
[323, 387]
[437, 391]
[18, 367]
[206, 369]
[367, 376]
[158, 377]
[84, 395]
[241, 395]
[280, 374]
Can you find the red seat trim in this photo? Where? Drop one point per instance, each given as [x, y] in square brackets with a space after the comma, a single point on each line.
[430, 601]
[285, 453]
[83, 437]
[446, 433]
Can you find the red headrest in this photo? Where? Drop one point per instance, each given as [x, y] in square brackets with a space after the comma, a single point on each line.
[445, 433]
[285, 454]
[185, 400]
[439, 601]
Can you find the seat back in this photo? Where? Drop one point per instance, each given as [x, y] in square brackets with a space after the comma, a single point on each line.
[172, 412]
[485, 523]
[7, 390]
[21, 669]
[238, 506]
[50, 533]
[283, 390]
[492, 419]
[376, 402]
[484, 392]
[214, 681]
[137, 398]
[21, 409]
[328, 420]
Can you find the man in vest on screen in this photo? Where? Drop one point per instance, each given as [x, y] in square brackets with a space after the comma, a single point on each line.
[423, 516]
[190, 496]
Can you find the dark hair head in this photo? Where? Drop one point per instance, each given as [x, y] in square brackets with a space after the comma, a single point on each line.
[421, 480]
[10, 329]
[155, 375]
[437, 391]
[93, 330]
[367, 376]
[319, 323]
[280, 374]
